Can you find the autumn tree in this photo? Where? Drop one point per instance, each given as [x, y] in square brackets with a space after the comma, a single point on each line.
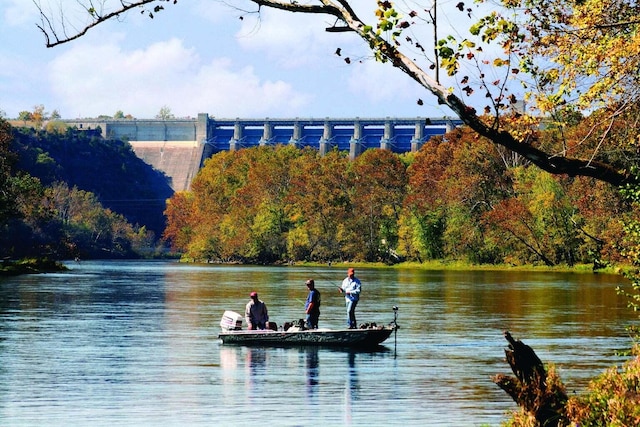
[453, 181]
[56, 126]
[380, 186]
[425, 216]
[179, 230]
[87, 229]
[119, 115]
[262, 201]
[39, 115]
[281, 203]
[456, 200]
[214, 231]
[537, 223]
[320, 195]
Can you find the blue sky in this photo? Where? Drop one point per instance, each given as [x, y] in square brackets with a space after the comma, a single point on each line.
[198, 57]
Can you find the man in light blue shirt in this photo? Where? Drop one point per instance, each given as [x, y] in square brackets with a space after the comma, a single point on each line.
[351, 287]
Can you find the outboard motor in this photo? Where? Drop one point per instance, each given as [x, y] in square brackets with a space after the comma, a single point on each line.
[231, 321]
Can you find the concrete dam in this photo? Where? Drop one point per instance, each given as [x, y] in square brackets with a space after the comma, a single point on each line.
[178, 147]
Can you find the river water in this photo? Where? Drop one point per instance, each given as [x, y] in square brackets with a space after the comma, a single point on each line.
[135, 344]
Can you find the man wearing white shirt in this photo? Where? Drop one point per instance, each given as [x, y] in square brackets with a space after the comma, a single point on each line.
[351, 287]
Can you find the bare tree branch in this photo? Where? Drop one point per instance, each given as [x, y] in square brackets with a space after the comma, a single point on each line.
[49, 30]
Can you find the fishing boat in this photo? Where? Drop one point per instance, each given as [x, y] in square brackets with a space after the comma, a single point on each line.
[294, 334]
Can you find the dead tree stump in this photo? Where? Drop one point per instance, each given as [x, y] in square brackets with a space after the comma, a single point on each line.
[530, 389]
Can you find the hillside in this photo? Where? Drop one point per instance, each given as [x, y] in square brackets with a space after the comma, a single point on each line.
[108, 168]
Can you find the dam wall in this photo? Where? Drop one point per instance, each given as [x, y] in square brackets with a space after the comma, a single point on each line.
[178, 147]
[179, 160]
[173, 146]
[187, 129]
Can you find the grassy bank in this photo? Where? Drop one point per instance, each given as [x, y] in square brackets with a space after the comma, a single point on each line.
[465, 266]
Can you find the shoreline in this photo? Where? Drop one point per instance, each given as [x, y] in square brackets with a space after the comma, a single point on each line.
[445, 265]
[30, 266]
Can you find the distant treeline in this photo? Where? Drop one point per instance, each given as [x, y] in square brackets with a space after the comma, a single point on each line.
[459, 197]
[68, 193]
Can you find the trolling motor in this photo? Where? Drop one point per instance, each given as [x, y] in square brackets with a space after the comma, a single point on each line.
[395, 329]
[395, 317]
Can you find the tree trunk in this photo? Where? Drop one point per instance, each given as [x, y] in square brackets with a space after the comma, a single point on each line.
[542, 399]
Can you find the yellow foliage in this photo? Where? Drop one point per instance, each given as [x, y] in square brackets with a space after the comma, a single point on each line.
[595, 47]
[613, 398]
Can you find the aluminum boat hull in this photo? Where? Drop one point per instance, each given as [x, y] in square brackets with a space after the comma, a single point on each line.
[347, 338]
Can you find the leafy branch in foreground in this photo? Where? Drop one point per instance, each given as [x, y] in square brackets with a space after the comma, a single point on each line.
[631, 249]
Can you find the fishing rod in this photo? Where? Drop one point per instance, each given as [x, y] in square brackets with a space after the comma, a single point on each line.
[326, 278]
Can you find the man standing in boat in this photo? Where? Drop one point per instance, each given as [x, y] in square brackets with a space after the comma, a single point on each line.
[312, 305]
[351, 288]
[256, 313]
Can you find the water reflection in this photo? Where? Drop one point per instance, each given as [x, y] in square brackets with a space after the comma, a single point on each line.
[259, 371]
[248, 366]
[313, 371]
[351, 387]
[255, 366]
[228, 365]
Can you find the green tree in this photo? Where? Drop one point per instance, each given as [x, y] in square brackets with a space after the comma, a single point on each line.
[420, 236]
[165, 113]
[23, 218]
[25, 116]
[7, 160]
